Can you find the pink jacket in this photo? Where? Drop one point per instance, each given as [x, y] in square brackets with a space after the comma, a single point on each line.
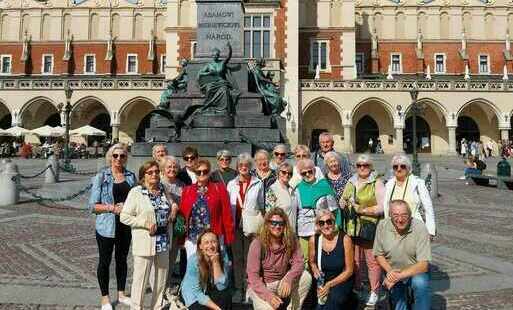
[276, 267]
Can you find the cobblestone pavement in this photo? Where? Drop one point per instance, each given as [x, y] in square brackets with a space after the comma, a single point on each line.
[48, 254]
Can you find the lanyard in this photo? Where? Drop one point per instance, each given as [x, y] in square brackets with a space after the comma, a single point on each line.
[405, 188]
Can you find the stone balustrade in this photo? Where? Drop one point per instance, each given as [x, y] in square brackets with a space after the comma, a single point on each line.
[85, 83]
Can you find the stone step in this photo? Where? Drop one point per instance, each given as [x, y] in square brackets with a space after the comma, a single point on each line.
[159, 134]
[229, 134]
[205, 149]
[258, 121]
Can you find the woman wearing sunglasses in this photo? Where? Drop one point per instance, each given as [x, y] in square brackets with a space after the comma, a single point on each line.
[301, 152]
[280, 153]
[276, 275]
[282, 195]
[362, 202]
[108, 194]
[205, 205]
[412, 189]
[312, 195]
[148, 212]
[331, 261]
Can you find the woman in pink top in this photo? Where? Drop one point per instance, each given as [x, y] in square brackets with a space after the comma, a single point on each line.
[275, 264]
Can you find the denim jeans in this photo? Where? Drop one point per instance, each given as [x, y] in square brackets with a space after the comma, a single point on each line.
[471, 171]
[421, 286]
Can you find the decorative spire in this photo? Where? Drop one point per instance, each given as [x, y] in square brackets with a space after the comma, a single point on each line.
[428, 72]
[110, 51]
[25, 53]
[67, 46]
[151, 46]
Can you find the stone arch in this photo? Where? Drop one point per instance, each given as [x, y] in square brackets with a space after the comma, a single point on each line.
[382, 114]
[5, 116]
[133, 118]
[38, 112]
[445, 23]
[400, 25]
[138, 27]
[324, 99]
[489, 25]
[91, 111]
[467, 23]
[94, 26]
[114, 24]
[485, 114]
[66, 25]
[46, 27]
[322, 114]
[422, 23]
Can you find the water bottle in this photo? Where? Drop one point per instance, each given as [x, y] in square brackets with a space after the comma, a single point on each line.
[320, 283]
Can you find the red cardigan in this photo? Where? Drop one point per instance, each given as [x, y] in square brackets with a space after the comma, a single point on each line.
[221, 222]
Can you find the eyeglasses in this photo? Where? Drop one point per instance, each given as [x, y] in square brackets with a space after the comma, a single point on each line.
[189, 158]
[202, 172]
[277, 223]
[400, 216]
[152, 172]
[307, 172]
[396, 167]
[121, 156]
[362, 165]
[279, 154]
[326, 222]
[285, 172]
[224, 159]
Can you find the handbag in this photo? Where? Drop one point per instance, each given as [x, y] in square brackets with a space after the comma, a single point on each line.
[174, 299]
[367, 230]
[251, 219]
[179, 226]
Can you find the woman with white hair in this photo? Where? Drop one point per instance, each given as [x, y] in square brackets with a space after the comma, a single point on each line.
[336, 176]
[362, 201]
[281, 195]
[224, 173]
[301, 152]
[280, 153]
[406, 186]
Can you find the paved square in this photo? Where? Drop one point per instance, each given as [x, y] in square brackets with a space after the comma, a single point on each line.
[48, 253]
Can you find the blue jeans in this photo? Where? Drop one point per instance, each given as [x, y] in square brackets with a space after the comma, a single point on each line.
[471, 171]
[421, 286]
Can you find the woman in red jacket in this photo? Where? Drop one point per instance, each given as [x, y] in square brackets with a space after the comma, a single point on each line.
[205, 205]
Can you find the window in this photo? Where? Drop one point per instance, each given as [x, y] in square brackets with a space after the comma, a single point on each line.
[89, 64]
[47, 64]
[163, 64]
[360, 62]
[319, 55]
[396, 63]
[439, 63]
[484, 64]
[5, 66]
[131, 64]
[257, 36]
[194, 47]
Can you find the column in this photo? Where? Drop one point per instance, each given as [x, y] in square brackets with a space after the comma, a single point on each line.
[348, 141]
[399, 139]
[504, 134]
[452, 140]
[291, 81]
[115, 133]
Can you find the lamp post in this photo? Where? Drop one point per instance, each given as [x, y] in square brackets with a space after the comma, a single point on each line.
[414, 93]
[67, 110]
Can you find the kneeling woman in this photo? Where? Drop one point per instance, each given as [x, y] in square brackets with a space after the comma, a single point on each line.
[205, 283]
[331, 261]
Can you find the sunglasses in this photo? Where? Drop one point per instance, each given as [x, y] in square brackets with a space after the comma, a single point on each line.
[396, 167]
[279, 154]
[121, 156]
[277, 223]
[189, 158]
[285, 172]
[307, 172]
[202, 172]
[326, 222]
[362, 165]
[152, 172]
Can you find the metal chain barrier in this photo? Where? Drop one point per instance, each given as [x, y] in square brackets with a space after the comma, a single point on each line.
[35, 175]
[73, 170]
[39, 197]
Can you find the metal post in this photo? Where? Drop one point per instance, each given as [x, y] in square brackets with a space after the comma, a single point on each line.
[414, 93]
[67, 111]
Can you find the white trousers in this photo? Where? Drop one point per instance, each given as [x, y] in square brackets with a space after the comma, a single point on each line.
[142, 266]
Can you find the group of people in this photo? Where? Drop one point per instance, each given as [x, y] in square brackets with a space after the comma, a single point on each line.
[478, 149]
[270, 230]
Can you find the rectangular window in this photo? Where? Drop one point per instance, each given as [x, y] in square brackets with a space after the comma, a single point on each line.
[6, 64]
[360, 62]
[319, 56]
[257, 36]
[396, 63]
[484, 64]
[89, 64]
[439, 63]
[47, 64]
[163, 64]
[131, 64]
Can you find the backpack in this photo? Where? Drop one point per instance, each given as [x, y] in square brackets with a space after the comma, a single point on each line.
[480, 165]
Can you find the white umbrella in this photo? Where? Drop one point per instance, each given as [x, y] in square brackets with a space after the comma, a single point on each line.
[18, 131]
[3, 132]
[88, 131]
[48, 131]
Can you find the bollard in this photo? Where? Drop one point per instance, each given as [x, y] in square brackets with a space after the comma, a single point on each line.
[9, 194]
[430, 169]
[52, 174]
[503, 173]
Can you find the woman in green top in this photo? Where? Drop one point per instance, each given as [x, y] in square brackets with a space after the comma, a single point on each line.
[362, 201]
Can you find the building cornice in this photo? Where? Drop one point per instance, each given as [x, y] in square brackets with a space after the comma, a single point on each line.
[153, 82]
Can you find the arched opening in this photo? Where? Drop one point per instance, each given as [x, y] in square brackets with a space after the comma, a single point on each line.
[423, 135]
[38, 113]
[134, 119]
[467, 129]
[5, 117]
[319, 117]
[367, 135]
[373, 120]
[90, 111]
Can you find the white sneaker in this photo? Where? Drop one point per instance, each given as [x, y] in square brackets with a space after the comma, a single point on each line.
[125, 300]
[373, 299]
[107, 306]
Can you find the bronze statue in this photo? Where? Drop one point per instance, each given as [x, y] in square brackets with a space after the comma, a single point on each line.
[218, 86]
[273, 102]
[177, 84]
